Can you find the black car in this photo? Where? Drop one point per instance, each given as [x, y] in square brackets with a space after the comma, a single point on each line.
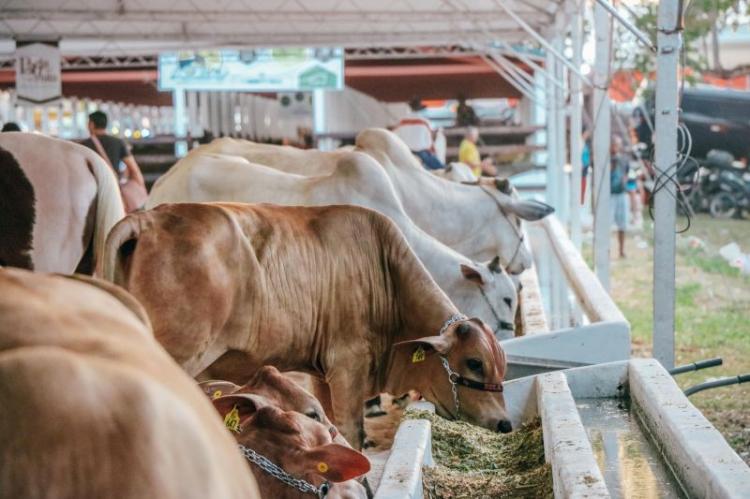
[718, 119]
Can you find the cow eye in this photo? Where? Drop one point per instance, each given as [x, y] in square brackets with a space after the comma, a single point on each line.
[313, 415]
[475, 365]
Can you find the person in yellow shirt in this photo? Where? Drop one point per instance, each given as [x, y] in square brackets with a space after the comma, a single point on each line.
[468, 153]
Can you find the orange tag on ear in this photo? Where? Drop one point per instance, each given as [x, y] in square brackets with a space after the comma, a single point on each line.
[322, 467]
[418, 355]
[232, 420]
[216, 394]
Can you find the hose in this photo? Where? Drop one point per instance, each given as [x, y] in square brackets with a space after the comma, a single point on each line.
[696, 366]
[734, 380]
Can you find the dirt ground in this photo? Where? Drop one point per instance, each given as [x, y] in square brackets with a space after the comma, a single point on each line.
[712, 315]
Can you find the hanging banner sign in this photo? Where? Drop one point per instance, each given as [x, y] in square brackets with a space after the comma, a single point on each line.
[38, 77]
[253, 70]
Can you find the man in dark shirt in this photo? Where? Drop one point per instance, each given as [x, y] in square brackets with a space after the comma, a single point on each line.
[116, 149]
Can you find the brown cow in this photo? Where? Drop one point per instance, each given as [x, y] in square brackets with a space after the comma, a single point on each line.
[93, 407]
[326, 290]
[289, 443]
[284, 393]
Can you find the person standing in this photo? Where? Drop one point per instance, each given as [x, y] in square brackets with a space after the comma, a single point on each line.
[115, 151]
[465, 114]
[618, 177]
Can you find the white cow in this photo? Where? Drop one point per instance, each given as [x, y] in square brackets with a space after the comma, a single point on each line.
[479, 221]
[456, 172]
[480, 290]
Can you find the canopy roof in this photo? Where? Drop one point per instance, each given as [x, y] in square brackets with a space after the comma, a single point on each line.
[132, 27]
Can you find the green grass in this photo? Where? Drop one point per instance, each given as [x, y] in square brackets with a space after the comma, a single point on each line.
[712, 305]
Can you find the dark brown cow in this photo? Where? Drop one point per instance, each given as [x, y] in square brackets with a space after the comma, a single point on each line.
[333, 291]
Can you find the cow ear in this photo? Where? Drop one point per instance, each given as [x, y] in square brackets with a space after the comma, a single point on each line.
[235, 410]
[336, 463]
[428, 344]
[216, 388]
[530, 210]
[473, 273]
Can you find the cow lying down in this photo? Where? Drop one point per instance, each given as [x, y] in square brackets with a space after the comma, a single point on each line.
[267, 420]
[332, 291]
[93, 407]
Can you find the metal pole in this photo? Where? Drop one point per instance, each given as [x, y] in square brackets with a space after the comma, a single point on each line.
[601, 144]
[576, 128]
[539, 38]
[512, 68]
[533, 65]
[669, 42]
[563, 187]
[640, 35]
[180, 122]
[510, 79]
[550, 99]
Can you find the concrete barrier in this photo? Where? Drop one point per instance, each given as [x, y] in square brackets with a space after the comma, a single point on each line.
[705, 464]
[411, 450]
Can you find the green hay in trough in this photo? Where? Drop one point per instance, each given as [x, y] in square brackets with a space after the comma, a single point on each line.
[475, 463]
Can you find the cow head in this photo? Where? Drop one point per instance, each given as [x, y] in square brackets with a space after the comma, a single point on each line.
[270, 383]
[300, 446]
[491, 295]
[472, 352]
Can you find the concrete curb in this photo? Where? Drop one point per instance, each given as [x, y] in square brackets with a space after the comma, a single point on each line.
[698, 454]
[412, 449]
[575, 472]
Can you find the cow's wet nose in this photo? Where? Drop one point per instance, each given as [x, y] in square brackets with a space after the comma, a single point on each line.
[504, 426]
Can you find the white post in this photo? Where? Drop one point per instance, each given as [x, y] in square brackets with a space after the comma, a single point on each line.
[214, 113]
[668, 41]
[576, 126]
[601, 145]
[180, 122]
[563, 188]
[319, 119]
[549, 99]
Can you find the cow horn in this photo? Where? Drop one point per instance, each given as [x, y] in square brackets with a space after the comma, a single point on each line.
[503, 185]
[494, 266]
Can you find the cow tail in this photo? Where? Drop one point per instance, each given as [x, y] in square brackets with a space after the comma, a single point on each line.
[109, 207]
[119, 247]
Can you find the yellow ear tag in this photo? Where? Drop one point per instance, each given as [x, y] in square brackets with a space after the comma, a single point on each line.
[216, 394]
[322, 467]
[232, 420]
[418, 355]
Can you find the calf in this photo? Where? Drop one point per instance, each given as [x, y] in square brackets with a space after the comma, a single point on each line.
[291, 455]
[270, 383]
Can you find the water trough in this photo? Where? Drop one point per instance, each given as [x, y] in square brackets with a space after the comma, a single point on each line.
[621, 429]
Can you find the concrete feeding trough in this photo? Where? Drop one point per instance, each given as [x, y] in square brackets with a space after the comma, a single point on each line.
[620, 429]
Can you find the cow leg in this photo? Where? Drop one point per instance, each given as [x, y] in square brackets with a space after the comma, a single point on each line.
[323, 393]
[347, 400]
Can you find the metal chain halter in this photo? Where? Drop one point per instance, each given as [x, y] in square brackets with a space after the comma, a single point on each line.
[456, 379]
[454, 389]
[278, 473]
[451, 320]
